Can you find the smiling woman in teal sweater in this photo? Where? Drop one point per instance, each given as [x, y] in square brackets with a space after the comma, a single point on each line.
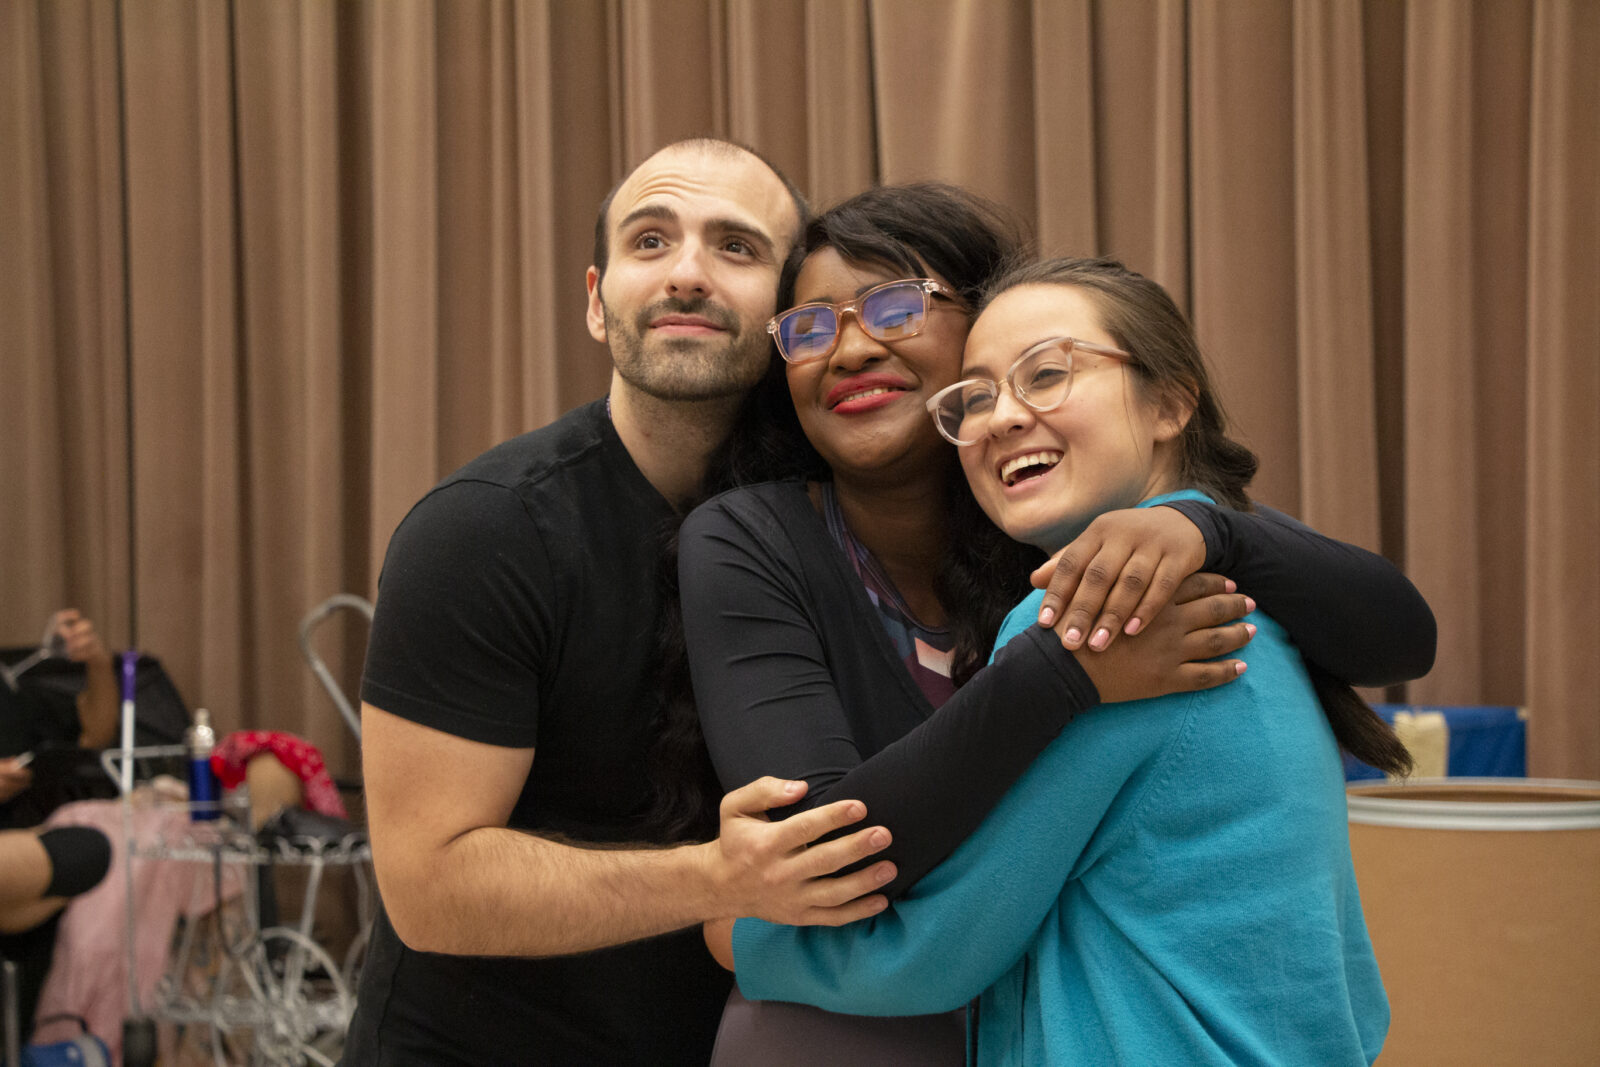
[1168, 884]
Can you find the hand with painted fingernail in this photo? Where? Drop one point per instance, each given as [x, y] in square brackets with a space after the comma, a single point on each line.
[1117, 575]
[1178, 651]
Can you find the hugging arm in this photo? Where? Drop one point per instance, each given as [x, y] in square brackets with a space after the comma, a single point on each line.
[769, 703]
[923, 955]
[469, 612]
[777, 697]
[1350, 611]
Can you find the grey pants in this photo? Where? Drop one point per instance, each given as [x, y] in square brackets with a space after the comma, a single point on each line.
[775, 1034]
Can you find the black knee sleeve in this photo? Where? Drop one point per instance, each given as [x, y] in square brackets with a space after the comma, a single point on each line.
[79, 858]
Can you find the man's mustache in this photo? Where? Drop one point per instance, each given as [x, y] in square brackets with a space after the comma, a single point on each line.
[703, 308]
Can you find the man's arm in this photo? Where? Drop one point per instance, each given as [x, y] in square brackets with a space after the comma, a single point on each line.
[455, 880]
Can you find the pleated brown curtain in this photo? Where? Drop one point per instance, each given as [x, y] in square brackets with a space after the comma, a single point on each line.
[64, 510]
[1561, 353]
[338, 248]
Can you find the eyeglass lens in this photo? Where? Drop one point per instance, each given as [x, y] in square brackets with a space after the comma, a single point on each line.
[888, 313]
[1041, 380]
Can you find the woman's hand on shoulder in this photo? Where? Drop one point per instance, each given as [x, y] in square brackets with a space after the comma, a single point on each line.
[1117, 575]
[1176, 651]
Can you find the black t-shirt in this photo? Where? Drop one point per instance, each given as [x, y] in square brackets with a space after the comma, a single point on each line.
[518, 606]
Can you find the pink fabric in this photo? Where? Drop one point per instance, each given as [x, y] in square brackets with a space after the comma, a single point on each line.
[89, 976]
[295, 753]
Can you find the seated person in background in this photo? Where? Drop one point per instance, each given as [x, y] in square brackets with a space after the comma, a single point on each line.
[29, 718]
[39, 872]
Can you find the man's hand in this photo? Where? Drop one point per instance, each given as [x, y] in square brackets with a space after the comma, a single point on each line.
[774, 871]
[1125, 566]
[1174, 654]
[13, 779]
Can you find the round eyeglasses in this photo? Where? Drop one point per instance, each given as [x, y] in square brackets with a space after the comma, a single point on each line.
[892, 311]
[1040, 378]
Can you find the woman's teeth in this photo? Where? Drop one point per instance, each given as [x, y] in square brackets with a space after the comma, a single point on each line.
[876, 391]
[1015, 470]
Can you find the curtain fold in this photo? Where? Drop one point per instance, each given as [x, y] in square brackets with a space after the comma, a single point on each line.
[580, 166]
[30, 465]
[192, 524]
[1563, 425]
[1242, 226]
[841, 111]
[1442, 533]
[955, 97]
[1336, 414]
[342, 246]
[63, 455]
[295, 426]
[404, 310]
[1139, 108]
[1067, 170]
[657, 41]
[766, 63]
[531, 198]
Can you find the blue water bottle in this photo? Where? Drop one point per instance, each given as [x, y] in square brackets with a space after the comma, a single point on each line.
[203, 788]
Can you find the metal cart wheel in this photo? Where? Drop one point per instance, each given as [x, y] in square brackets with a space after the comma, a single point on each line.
[282, 1002]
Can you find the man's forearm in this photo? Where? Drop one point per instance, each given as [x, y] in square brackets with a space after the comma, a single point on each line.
[492, 891]
[497, 892]
[456, 880]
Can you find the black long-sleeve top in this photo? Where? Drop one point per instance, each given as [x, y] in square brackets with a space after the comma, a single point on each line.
[794, 675]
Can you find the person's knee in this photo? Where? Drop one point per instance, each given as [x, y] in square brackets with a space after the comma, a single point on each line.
[80, 856]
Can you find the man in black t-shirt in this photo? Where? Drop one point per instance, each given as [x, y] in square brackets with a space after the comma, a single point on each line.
[510, 685]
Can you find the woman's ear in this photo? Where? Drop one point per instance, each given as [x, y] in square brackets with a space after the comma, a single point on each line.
[1175, 409]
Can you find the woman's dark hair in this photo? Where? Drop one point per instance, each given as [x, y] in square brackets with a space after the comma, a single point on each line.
[1145, 323]
[911, 230]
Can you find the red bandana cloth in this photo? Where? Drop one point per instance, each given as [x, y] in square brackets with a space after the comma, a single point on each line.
[296, 753]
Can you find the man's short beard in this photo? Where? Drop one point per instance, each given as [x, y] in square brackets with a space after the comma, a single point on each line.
[686, 368]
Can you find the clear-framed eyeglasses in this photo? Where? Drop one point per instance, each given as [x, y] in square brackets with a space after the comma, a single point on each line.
[892, 311]
[1040, 378]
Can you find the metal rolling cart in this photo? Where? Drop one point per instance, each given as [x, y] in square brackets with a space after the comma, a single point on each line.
[267, 995]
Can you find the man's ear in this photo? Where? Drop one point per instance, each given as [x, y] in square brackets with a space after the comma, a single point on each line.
[595, 315]
[1175, 409]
